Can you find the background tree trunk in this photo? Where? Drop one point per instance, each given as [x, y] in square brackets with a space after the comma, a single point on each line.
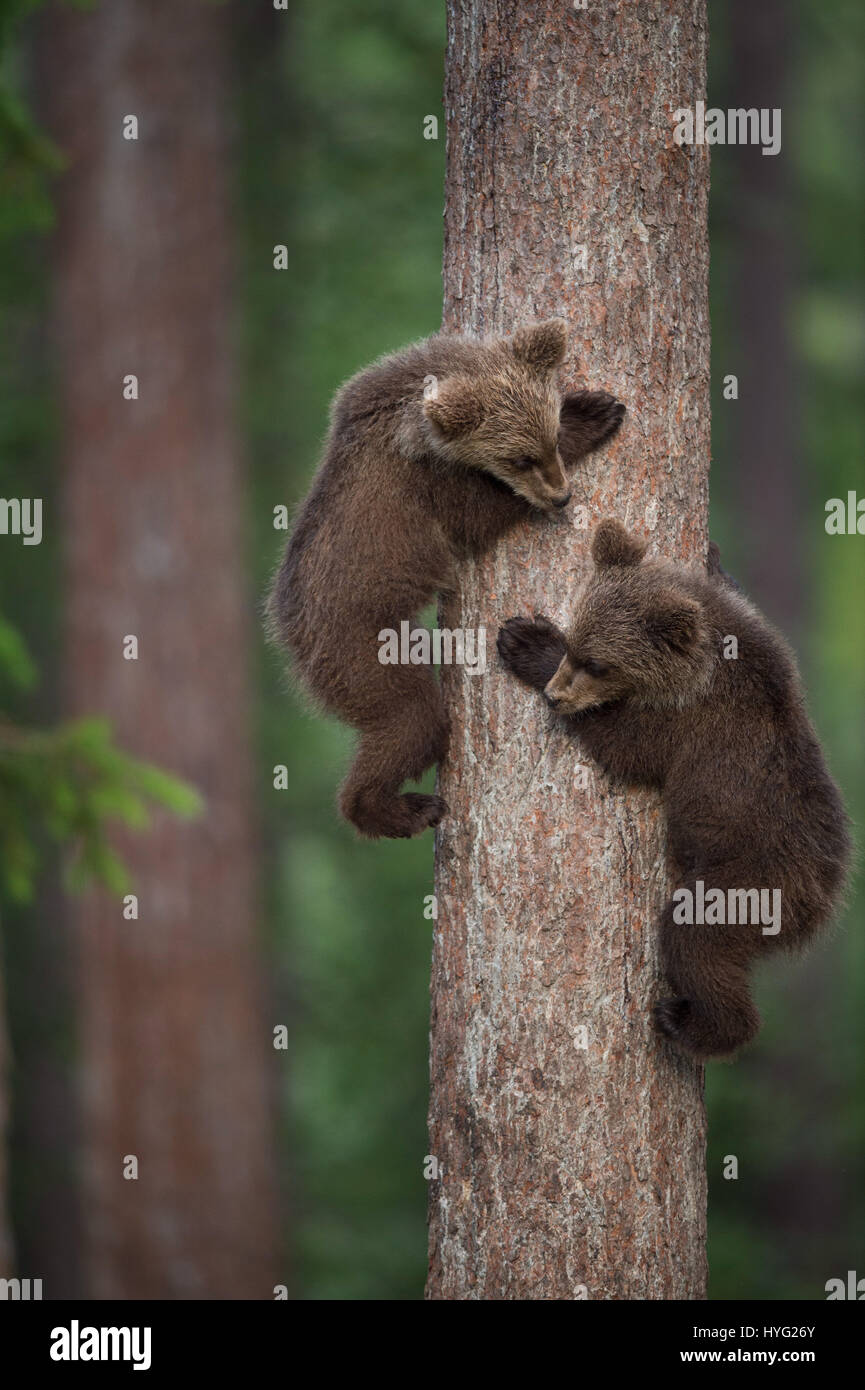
[802, 1194]
[765, 429]
[174, 1039]
[564, 1167]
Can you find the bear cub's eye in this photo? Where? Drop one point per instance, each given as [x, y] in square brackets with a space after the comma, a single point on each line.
[596, 669]
[523, 464]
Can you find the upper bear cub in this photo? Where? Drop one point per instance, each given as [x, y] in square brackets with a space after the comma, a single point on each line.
[643, 678]
[433, 454]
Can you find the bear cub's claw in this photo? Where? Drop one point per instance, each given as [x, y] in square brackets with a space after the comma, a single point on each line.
[376, 815]
[588, 419]
[671, 1017]
[704, 1032]
[425, 810]
[603, 411]
[601, 406]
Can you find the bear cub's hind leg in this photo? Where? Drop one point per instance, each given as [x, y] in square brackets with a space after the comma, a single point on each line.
[711, 1012]
[399, 748]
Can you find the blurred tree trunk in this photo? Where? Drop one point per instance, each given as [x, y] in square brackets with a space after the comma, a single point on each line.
[174, 1048]
[565, 1166]
[807, 1196]
[765, 432]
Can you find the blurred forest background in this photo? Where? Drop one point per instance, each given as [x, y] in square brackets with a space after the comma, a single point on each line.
[305, 128]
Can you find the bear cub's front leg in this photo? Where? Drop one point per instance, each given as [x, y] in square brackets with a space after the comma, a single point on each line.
[532, 650]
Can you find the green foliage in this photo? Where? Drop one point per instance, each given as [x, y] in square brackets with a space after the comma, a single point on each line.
[70, 783]
[27, 158]
[16, 664]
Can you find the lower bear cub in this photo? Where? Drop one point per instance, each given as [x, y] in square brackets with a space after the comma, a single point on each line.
[645, 680]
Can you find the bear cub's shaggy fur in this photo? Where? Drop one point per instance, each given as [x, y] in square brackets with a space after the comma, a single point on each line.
[433, 454]
[642, 678]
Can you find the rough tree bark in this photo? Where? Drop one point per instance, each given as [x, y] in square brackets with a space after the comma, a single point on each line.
[561, 1166]
[174, 1040]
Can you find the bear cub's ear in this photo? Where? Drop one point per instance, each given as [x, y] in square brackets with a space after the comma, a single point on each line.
[541, 346]
[453, 406]
[675, 621]
[613, 545]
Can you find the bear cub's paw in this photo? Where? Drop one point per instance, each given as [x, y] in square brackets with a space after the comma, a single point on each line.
[588, 419]
[532, 649]
[671, 1017]
[705, 1032]
[424, 811]
[379, 815]
[602, 407]
[403, 817]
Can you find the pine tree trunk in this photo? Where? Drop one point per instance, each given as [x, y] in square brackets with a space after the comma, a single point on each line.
[568, 1171]
[173, 1034]
[767, 480]
[765, 420]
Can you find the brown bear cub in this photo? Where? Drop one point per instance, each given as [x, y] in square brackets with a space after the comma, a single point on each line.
[660, 696]
[433, 454]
